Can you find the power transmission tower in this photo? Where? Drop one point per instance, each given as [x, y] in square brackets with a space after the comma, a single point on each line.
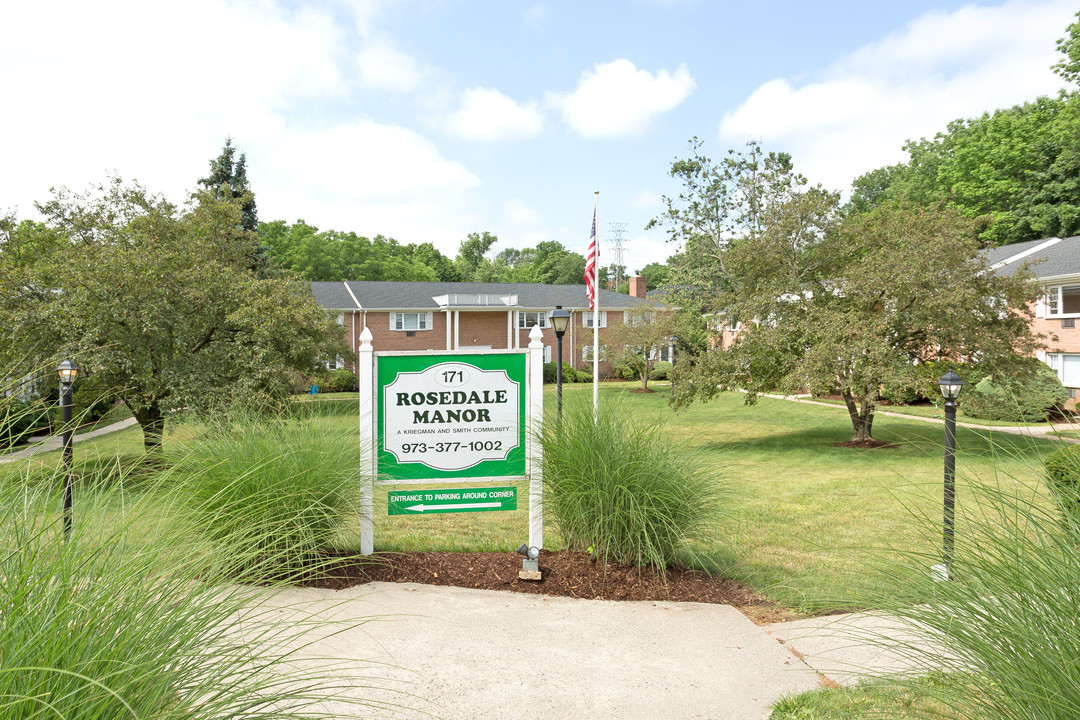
[618, 239]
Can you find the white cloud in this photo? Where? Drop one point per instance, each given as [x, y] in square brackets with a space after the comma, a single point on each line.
[486, 114]
[383, 66]
[616, 99]
[645, 199]
[940, 67]
[157, 107]
[367, 161]
[519, 213]
[536, 14]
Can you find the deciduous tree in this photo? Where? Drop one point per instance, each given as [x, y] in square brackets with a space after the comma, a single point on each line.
[158, 302]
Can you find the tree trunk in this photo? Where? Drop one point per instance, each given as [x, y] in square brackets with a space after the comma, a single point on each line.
[862, 419]
[153, 426]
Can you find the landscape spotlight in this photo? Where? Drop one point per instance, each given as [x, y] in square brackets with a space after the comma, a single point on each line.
[530, 552]
[530, 566]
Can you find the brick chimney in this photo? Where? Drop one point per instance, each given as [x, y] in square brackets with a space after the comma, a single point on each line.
[637, 286]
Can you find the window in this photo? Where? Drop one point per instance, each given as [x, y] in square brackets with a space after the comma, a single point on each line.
[586, 352]
[527, 319]
[547, 353]
[410, 321]
[589, 318]
[1063, 300]
[341, 319]
[337, 363]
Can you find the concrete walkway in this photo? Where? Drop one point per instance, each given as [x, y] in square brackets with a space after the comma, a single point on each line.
[458, 653]
[55, 442]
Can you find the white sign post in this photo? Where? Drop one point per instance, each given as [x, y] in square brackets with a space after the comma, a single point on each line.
[451, 418]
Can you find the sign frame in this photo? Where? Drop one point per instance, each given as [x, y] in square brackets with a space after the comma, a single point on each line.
[380, 466]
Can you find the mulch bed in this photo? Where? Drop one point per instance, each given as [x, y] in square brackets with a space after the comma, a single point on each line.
[870, 444]
[566, 573]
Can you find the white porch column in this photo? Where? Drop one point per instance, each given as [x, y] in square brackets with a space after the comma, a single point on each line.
[457, 330]
[533, 425]
[509, 329]
[448, 323]
[365, 372]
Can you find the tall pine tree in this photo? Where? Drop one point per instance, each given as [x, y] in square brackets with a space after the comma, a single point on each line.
[228, 181]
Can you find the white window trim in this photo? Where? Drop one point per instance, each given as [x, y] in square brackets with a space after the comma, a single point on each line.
[1052, 299]
[542, 319]
[547, 353]
[588, 318]
[427, 321]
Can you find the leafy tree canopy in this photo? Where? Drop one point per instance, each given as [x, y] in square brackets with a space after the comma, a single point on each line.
[828, 301]
[156, 302]
[333, 256]
[638, 340]
[1015, 171]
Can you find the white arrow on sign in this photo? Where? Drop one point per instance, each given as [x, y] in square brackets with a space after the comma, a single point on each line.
[459, 506]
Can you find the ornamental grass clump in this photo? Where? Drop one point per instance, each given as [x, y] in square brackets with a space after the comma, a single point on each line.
[270, 495]
[127, 619]
[1005, 628]
[625, 491]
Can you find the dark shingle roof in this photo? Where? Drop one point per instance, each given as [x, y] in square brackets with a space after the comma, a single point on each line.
[392, 295]
[1046, 258]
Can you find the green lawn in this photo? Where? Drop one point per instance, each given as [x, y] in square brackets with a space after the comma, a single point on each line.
[804, 515]
[932, 411]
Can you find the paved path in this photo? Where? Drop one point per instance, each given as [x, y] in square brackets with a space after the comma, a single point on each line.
[55, 442]
[479, 654]
[1071, 429]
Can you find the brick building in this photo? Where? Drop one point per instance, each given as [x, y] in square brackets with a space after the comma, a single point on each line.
[1056, 265]
[454, 315]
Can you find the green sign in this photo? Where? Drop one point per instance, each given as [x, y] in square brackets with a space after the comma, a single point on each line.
[451, 416]
[451, 500]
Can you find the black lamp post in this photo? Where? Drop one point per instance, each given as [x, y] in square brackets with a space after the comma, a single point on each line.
[950, 385]
[673, 340]
[68, 371]
[560, 319]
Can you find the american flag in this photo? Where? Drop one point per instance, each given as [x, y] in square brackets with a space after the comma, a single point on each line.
[590, 265]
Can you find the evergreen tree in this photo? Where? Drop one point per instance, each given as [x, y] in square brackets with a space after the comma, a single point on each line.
[228, 181]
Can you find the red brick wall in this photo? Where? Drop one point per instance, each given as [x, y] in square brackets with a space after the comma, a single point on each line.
[1068, 339]
[476, 329]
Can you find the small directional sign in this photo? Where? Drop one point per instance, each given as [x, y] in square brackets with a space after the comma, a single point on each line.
[451, 500]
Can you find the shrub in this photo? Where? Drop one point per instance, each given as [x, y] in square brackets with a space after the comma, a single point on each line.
[1063, 477]
[624, 370]
[661, 371]
[1028, 394]
[277, 491]
[621, 489]
[340, 380]
[129, 621]
[549, 373]
[19, 420]
[582, 377]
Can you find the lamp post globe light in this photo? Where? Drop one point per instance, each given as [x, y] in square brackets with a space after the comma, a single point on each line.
[67, 371]
[950, 385]
[560, 320]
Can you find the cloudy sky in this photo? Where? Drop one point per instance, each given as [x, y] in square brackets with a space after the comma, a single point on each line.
[425, 120]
